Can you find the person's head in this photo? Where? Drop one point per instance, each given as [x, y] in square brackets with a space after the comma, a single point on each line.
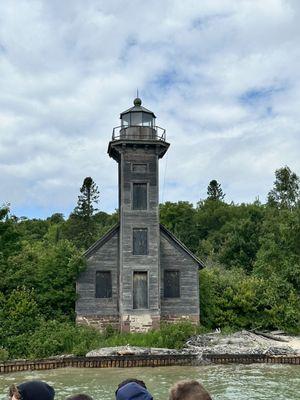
[139, 382]
[132, 388]
[188, 390]
[31, 390]
[80, 397]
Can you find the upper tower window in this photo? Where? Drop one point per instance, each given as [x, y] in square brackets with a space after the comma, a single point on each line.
[139, 196]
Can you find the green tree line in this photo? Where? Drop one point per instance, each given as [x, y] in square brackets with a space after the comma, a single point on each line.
[251, 254]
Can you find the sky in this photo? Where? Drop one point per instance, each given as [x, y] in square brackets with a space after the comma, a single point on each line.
[222, 77]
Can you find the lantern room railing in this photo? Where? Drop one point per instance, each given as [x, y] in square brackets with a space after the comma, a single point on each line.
[137, 132]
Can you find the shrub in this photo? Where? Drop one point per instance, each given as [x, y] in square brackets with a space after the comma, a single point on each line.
[4, 354]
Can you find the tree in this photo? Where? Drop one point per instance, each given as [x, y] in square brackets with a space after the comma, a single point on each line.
[179, 218]
[285, 193]
[214, 191]
[89, 195]
[81, 226]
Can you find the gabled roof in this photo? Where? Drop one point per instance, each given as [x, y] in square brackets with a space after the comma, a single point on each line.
[181, 245]
[100, 242]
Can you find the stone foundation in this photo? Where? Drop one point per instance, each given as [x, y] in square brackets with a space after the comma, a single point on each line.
[99, 322]
[140, 322]
[133, 323]
[174, 319]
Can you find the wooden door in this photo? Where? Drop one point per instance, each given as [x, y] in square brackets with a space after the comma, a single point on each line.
[140, 290]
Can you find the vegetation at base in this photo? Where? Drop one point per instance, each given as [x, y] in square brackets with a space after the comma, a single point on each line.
[251, 279]
[53, 337]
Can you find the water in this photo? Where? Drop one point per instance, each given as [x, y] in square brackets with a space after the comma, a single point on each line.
[240, 382]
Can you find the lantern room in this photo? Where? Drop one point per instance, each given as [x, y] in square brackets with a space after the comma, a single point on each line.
[137, 116]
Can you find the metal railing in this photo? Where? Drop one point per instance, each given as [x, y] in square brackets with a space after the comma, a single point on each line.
[137, 132]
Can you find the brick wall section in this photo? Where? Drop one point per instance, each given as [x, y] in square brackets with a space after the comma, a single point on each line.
[174, 319]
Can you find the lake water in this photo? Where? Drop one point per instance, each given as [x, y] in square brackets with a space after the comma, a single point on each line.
[240, 382]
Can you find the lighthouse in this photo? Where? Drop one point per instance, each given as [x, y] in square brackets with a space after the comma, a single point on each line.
[139, 273]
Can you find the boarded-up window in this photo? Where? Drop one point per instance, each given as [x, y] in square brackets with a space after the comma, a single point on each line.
[140, 290]
[171, 283]
[139, 196]
[103, 284]
[139, 168]
[140, 241]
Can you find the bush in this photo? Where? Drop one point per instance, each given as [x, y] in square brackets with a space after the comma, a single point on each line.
[54, 338]
[232, 299]
[4, 354]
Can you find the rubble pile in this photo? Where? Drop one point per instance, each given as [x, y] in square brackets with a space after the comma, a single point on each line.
[243, 342]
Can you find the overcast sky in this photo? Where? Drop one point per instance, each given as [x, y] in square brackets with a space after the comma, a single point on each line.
[223, 78]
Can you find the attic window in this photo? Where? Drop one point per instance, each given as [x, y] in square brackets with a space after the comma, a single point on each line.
[171, 284]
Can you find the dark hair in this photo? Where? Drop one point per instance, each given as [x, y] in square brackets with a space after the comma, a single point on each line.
[32, 390]
[123, 383]
[80, 397]
[188, 390]
[14, 391]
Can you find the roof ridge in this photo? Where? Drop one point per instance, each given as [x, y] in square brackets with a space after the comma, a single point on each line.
[182, 245]
[102, 240]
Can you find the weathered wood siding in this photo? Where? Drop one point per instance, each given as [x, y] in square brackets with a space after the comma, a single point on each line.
[172, 257]
[131, 219]
[105, 258]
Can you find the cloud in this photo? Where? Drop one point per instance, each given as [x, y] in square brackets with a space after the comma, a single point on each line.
[221, 76]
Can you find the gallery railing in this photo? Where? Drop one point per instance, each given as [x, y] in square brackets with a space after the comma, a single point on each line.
[137, 132]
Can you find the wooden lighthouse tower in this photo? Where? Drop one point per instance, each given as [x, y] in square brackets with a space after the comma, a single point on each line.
[138, 274]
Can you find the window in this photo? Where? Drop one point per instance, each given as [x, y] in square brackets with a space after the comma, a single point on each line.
[139, 196]
[140, 241]
[103, 284]
[171, 284]
[136, 118]
[140, 168]
[140, 290]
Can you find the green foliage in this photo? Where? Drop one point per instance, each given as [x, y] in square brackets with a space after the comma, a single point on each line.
[233, 299]
[4, 354]
[179, 219]
[81, 227]
[9, 236]
[19, 317]
[169, 336]
[53, 337]
[286, 190]
[251, 279]
[214, 191]
[51, 269]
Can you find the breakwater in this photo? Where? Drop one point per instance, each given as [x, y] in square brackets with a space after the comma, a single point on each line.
[128, 361]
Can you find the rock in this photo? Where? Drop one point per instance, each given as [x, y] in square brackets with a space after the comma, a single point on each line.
[131, 350]
[243, 342]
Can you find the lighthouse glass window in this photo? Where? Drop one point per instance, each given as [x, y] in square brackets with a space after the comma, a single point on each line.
[139, 196]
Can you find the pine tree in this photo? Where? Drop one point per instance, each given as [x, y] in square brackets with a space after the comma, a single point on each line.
[286, 190]
[81, 227]
[214, 191]
[89, 196]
